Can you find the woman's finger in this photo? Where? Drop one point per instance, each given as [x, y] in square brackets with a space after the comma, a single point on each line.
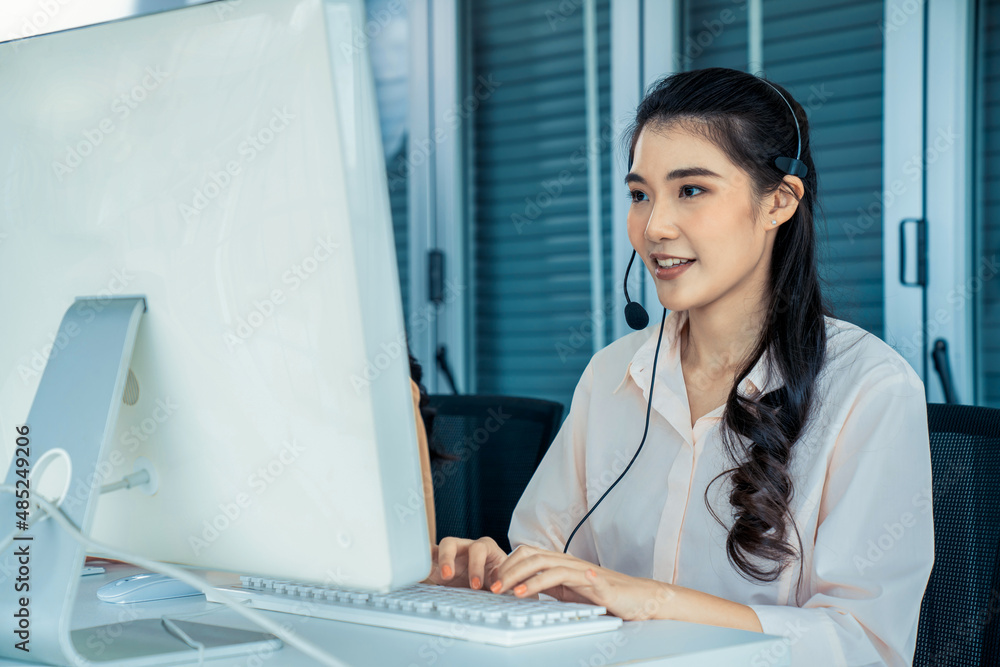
[563, 575]
[448, 552]
[494, 560]
[478, 552]
[526, 562]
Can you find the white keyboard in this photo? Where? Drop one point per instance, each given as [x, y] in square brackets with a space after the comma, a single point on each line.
[462, 613]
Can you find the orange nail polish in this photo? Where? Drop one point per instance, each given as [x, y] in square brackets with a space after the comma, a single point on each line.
[497, 585]
[520, 589]
[446, 571]
[476, 583]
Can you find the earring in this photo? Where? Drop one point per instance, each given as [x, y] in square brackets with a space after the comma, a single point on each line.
[774, 222]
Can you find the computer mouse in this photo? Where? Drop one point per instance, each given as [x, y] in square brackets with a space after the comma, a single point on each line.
[145, 587]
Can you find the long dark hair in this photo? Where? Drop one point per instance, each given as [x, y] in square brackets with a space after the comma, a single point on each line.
[750, 123]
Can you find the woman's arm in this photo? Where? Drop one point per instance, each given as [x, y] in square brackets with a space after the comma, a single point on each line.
[531, 570]
[685, 604]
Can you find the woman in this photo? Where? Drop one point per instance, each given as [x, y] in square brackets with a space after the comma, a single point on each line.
[785, 485]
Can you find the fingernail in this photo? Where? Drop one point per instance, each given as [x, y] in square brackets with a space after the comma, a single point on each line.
[520, 589]
[591, 574]
[446, 572]
[476, 583]
[497, 585]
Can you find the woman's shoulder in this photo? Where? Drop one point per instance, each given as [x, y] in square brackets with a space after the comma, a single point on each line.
[617, 354]
[857, 356]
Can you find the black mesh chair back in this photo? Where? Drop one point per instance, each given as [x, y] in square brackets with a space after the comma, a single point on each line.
[958, 624]
[497, 442]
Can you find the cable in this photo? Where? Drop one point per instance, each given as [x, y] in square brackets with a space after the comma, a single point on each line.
[176, 631]
[252, 615]
[137, 478]
[645, 430]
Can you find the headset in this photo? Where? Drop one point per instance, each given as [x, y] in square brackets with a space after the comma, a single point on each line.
[637, 317]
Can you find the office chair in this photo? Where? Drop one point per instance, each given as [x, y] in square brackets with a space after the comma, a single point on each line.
[495, 442]
[958, 618]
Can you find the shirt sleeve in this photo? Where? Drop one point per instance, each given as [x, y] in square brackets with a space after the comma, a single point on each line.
[875, 538]
[555, 499]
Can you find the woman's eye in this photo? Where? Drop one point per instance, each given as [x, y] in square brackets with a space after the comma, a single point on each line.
[685, 188]
[637, 195]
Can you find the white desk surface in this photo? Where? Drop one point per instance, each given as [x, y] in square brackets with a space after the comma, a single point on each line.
[647, 642]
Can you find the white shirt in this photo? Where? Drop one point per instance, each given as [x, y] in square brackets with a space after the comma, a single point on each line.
[862, 493]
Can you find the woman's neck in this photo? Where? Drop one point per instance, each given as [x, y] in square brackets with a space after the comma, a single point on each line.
[718, 339]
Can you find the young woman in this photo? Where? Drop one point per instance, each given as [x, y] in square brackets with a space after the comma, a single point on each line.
[783, 482]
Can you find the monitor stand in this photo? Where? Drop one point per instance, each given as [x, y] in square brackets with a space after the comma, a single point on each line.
[72, 418]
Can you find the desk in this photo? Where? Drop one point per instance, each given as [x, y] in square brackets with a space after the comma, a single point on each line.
[647, 642]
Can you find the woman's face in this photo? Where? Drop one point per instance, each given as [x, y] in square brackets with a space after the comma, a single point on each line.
[689, 201]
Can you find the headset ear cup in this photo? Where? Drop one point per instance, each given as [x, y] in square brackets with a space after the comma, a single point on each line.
[790, 165]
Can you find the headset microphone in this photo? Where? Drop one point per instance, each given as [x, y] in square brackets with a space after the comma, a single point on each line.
[635, 314]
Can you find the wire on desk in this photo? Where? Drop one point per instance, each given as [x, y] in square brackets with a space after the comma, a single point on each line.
[176, 631]
[251, 615]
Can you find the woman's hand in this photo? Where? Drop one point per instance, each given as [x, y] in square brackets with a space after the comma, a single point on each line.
[465, 563]
[530, 570]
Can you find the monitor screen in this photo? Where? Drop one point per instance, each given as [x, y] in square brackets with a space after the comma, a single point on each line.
[223, 161]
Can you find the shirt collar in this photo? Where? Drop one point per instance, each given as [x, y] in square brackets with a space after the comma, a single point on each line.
[765, 375]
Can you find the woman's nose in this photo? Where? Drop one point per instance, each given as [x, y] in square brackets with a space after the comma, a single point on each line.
[659, 226]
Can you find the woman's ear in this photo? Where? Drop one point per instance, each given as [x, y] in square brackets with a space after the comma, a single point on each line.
[785, 199]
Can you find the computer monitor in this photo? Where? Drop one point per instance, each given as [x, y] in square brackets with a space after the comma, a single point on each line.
[224, 162]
